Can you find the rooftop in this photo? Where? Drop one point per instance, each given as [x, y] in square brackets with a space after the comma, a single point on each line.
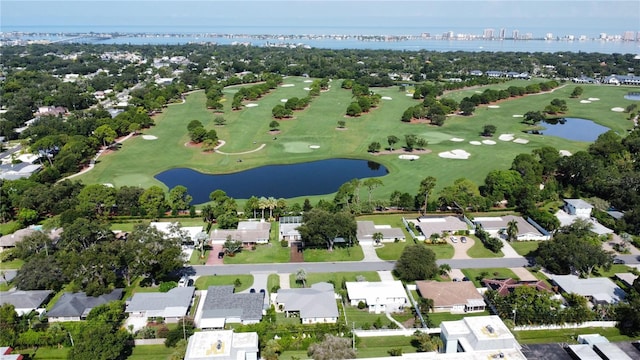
[600, 289]
[438, 225]
[372, 291]
[221, 301]
[79, 304]
[318, 301]
[447, 294]
[173, 303]
[502, 222]
[366, 229]
[221, 345]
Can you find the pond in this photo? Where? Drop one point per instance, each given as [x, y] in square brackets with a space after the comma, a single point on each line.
[572, 129]
[278, 181]
[633, 96]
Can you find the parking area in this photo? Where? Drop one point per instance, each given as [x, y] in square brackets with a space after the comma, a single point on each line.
[460, 247]
[545, 352]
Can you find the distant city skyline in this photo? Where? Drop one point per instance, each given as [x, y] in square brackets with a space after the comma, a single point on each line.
[575, 17]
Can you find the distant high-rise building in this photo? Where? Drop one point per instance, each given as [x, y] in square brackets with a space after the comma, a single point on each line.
[515, 34]
[603, 36]
[528, 36]
[488, 34]
[503, 33]
[628, 36]
[548, 36]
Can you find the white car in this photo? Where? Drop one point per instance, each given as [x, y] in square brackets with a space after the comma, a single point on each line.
[453, 239]
[184, 281]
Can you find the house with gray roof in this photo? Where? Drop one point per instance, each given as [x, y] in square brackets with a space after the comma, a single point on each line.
[76, 306]
[497, 226]
[288, 227]
[313, 305]
[18, 171]
[172, 305]
[9, 241]
[366, 229]
[598, 290]
[222, 305]
[25, 301]
[248, 232]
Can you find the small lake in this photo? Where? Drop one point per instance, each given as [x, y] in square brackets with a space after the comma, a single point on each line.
[576, 129]
[633, 96]
[278, 181]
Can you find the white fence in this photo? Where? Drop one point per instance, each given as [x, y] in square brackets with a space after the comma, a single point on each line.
[395, 332]
[587, 324]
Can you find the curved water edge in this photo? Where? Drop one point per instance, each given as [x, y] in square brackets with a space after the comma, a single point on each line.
[576, 129]
[633, 96]
[278, 181]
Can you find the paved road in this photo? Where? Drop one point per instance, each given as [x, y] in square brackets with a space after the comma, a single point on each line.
[348, 266]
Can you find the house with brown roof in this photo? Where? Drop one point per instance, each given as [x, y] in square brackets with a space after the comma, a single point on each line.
[248, 232]
[506, 286]
[454, 297]
[366, 230]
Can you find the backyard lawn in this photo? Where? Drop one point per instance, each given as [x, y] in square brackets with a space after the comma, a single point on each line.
[524, 248]
[567, 335]
[203, 282]
[335, 277]
[317, 125]
[156, 352]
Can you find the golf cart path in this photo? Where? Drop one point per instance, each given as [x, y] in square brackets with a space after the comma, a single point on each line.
[222, 142]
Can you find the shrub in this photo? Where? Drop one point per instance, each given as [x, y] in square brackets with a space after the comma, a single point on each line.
[166, 286]
[362, 305]
[392, 325]
[395, 352]
[378, 323]
[284, 243]
[366, 326]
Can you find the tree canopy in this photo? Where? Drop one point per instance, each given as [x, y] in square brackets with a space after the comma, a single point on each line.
[417, 262]
[321, 228]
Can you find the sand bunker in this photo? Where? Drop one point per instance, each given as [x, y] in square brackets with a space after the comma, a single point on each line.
[585, 102]
[518, 115]
[521, 141]
[505, 137]
[455, 154]
[409, 157]
[457, 139]
[475, 142]
[565, 153]
[284, 100]
[287, 85]
[593, 99]
[493, 106]
[617, 109]
[308, 81]
[386, 98]
[314, 146]
[488, 142]
[109, 185]
[251, 105]
[307, 88]
[478, 92]
[149, 137]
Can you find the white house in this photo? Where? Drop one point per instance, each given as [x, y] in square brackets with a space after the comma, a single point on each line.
[497, 226]
[577, 207]
[222, 345]
[289, 228]
[172, 305]
[381, 296]
[314, 305]
[479, 334]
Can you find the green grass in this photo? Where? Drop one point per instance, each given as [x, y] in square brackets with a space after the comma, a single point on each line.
[316, 125]
[567, 335]
[493, 273]
[13, 264]
[46, 353]
[9, 227]
[335, 277]
[203, 282]
[129, 225]
[155, 352]
[437, 318]
[267, 253]
[617, 268]
[353, 253]
[195, 258]
[272, 281]
[478, 250]
[524, 248]
[378, 346]
[361, 317]
[281, 319]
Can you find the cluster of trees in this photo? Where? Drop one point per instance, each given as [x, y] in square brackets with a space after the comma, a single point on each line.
[556, 106]
[322, 228]
[365, 99]
[88, 256]
[432, 108]
[284, 111]
[489, 241]
[254, 92]
[198, 134]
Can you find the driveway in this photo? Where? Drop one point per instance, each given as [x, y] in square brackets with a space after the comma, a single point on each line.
[523, 274]
[508, 251]
[369, 251]
[461, 248]
[385, 276]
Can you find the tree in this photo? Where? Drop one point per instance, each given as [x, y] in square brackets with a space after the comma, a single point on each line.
[96, 200]
[301, 277]
[105, 134]
[502, 185]
[101, 341]
[332, 347]
[577, 91]
[274, 125]
[392, 140]
[426, 186]
[377, 238]
[512, 230]
[219, 120]
[489, 130]
[417, 262]
[410, 140]
[321, 228]
[374, 147]
[341, 124]
[231, 247]
[198, 135]
[467, 107]
[371, 184]
[153, 201]
[179, 198]
[533, 117]
[8, 325]
[423, 342]
[444, 269]
[40, 273]
[354, 109]
[279, 112]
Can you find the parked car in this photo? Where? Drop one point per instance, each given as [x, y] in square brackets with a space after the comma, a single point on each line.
[453, 239]
[184, 281]
[463, 240]
[618, 261]
[220, 255]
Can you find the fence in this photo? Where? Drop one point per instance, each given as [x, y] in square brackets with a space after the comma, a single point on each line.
[587, 324]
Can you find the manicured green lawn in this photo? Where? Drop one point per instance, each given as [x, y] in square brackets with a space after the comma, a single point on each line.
[378, 346]
[618, 268]
[361, 317]
[267, 253]
[335, 277]
[203, 282]
[272, 281]
[156, 352]
[492, 273]
[478, 250]
[9, 227]
[195, 258]
[525, 248]
[567, 335]
[317, 125]
[13, 264]
[392, 251]
[437, 318]
[353, 253]
[46, 353]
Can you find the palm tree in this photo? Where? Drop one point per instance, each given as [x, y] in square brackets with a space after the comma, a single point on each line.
[425, 305]
[377, 238]
[262, 204]
[271, 204]
[512, 230]
[301, 276]
[444, 269]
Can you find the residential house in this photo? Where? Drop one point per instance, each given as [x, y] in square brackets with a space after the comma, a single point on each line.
[50, 111]
[187, 233]
[313, 305]
[25, 301]
[288, 228]
[596, 290]
[577, 207]
[626, 278]
[484, 336]
[476, 73]
[9, 241]
[380, 296]
[18, 171]
[454, 297]
[248, 232]
[222, 305]
[222, 345]
[527, 230]
[441, 224]
[76, 306]
[622, 80]
[171, 306]
[494, 74]
[366, 229]
[584, 80]
[506, 286]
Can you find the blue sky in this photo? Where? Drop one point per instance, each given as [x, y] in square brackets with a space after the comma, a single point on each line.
[608, 15]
